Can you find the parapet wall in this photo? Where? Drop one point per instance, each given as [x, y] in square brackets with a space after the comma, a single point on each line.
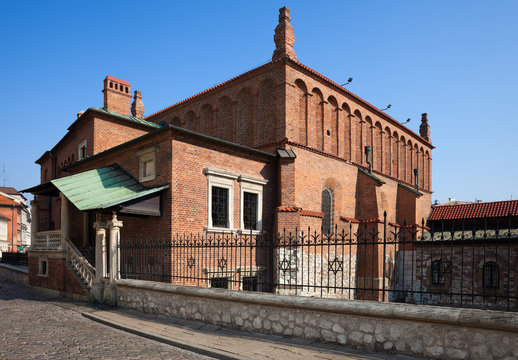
[434, 332]
[14, 274]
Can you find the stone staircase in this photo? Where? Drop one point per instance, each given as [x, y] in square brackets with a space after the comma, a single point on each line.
[80, 265]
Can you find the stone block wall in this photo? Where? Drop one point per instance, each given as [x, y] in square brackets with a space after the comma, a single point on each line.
[434, 332]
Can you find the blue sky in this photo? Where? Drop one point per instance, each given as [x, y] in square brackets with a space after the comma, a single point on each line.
[455, 60]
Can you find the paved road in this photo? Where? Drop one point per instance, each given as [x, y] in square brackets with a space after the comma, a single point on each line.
[36, 327]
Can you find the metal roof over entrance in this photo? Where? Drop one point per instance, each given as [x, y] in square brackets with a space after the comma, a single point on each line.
[103, 188]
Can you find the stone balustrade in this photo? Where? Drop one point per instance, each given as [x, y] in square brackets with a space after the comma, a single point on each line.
[46, 241]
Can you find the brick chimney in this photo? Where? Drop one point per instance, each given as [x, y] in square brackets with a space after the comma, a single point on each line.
[284, 36]
[137, 108]
[117, 95]
[424, 129]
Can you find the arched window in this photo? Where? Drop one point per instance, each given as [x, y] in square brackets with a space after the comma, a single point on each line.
[327, 209]
[438, 271]
[490, 274]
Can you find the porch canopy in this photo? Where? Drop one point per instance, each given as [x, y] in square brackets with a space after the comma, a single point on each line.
[107, 188]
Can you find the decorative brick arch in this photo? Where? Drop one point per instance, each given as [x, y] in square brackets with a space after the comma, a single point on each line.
[207, 123]
[360, 136]
[246, 118]
[331, 122]
[267, 103]
[347, 133]
[191, 121]
[301, 111]
[316, 119]
[225, 119]
[387, 151]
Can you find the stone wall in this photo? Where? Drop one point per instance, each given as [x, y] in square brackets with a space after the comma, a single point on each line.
[14, 274]
[434, 332]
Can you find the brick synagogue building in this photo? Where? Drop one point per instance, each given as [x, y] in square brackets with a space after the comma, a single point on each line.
[278, 148]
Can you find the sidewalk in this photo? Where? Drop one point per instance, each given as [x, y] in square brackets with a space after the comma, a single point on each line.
[223, 343]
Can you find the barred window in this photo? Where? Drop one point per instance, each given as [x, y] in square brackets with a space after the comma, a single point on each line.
[250, 204]
[219, 282]
[490, 274]
[327, 209]
[220, 207]
[438, 271]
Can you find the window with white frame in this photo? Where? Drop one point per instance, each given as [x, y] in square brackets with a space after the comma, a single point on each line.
[251, 204]
[147, 164]
[220, 199]
[43, 267]
[81, 151]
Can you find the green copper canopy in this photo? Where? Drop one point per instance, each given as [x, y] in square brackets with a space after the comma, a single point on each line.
[101, 188]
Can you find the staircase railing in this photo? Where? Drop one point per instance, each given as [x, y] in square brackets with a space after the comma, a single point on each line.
[79, 263]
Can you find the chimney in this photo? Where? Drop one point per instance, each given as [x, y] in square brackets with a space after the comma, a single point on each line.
[424, 129]
[137, 108]
[117, 95]
[284, 37]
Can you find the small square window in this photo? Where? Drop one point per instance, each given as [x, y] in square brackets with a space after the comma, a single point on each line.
[147, 164]
[81, 151]
[43, 267]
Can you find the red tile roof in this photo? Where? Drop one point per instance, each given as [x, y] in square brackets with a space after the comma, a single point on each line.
[318, 214]
[4, 200]
[475, 210]
[9, 190]
[352, 220]
[287, 209]
[123, 82]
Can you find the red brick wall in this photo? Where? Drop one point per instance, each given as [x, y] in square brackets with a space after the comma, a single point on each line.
[110, 133]
[60, 276]
[249, 111]
[189, 185]
[313, 108]
[7, 211]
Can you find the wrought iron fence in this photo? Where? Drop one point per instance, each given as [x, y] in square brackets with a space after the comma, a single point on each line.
[466, 263]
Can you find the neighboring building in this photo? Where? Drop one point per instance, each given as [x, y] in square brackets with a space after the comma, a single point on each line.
[280, 146]
[469, 255]
[4, 223]
[13, 207]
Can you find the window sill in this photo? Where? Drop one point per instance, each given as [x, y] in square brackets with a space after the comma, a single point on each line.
[247, 232]
[219, 230]
[43, 275]
[149, 178]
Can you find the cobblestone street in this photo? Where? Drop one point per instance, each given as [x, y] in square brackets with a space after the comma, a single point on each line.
[54, 329]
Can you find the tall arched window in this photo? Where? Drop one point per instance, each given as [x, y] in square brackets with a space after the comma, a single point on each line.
[490, 273]
[327, 209]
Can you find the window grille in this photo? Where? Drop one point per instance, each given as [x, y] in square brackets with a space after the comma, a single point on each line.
[327, 209]
[438, 271]
[250, 203]
[490, 272]
[219, 282]
[219, 207]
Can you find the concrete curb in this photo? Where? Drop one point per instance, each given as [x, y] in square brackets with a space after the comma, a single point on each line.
[199, 349]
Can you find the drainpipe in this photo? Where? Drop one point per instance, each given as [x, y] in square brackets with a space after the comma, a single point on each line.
[416, 177]
[368, 150]
[12, 229]
[49, 200]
